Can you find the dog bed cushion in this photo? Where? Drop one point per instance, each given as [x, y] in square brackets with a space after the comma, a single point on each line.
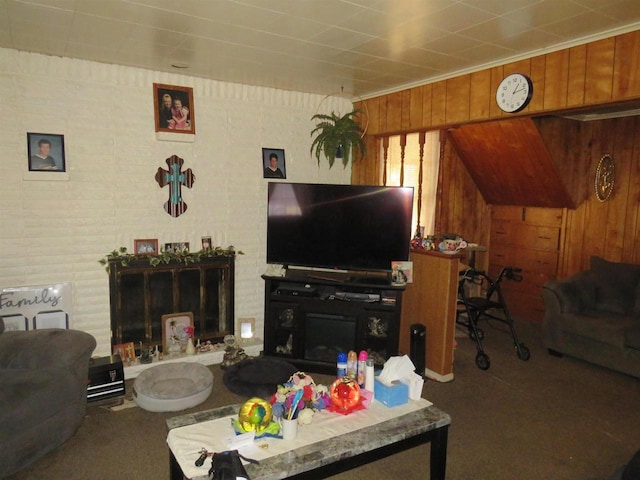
[172, 387]
[258, 377]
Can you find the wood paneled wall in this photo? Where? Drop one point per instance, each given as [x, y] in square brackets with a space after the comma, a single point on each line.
[595, 74]
[608, 229]
[598, 73]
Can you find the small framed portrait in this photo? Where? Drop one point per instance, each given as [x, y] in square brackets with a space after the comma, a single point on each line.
[206, 243]
[174, 109]
[145, 246]
[127, 352]
[46, 153]
[176, 247]
[273, 165]
[176, 329]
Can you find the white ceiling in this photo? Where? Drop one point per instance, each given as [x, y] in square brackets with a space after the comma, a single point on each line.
[366, 47]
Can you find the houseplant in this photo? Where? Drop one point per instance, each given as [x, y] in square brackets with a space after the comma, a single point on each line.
[337, 137]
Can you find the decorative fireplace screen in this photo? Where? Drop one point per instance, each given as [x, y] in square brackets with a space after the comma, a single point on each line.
[141, 294]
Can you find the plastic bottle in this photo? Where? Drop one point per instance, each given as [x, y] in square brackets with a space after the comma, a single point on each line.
[362, 363]
[369, 375]
[342, 365]
[352, 364]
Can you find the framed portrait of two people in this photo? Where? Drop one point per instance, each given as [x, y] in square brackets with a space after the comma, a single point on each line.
[173, 108]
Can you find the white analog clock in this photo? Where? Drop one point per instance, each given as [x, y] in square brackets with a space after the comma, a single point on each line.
[514, 92]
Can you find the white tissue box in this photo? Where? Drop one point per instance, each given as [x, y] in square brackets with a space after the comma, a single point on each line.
[391, 396]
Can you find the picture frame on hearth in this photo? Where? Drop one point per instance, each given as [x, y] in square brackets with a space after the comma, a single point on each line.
[127, 352]
[145, 246]
[174, 331]
[174, 110]
[273, 163]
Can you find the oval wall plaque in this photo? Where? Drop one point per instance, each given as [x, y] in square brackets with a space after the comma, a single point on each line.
[605, 178]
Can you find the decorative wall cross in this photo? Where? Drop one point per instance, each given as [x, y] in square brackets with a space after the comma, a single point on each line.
[173, 177]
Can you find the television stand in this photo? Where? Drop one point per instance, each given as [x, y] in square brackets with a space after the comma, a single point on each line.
[370, 279]
[326, 278]
[310, 318]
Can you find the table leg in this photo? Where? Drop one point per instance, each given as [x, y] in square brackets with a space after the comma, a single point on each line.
[175, 472]
[439, 453]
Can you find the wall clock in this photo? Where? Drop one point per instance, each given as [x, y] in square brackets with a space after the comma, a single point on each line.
[605, 178]
[514, 92]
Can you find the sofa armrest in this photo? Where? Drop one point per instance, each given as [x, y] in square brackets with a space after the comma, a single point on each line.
[573, 294]
[45, 348]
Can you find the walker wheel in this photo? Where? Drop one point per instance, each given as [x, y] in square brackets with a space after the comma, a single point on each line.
[523, 352]
[482, 361]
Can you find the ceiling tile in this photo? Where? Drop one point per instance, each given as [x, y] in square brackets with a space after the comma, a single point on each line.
[311, 45]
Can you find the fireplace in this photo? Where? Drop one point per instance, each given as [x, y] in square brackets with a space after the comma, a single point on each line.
[140, 294]
[327, 335]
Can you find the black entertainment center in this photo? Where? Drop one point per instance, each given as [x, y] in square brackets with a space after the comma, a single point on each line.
[311, 317]
[339, 242]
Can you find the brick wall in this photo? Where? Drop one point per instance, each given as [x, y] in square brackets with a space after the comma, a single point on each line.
[56, 231]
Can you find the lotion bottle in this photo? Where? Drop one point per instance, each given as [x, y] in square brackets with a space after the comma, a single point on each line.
[352, 364]
[362, 363]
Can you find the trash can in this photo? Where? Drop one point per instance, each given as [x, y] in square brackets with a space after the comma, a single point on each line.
[418, 349]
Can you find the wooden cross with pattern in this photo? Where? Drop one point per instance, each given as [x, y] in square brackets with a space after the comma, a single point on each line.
[173, 177]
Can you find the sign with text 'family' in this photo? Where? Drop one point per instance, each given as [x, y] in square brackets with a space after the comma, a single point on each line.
[27, 308]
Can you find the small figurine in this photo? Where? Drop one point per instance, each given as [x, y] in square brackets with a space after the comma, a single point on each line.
[233, 353]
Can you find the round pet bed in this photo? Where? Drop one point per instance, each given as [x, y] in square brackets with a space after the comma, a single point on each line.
[258, 377]
[172, 387]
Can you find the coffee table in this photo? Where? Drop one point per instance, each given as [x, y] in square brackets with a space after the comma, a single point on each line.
[399, 430]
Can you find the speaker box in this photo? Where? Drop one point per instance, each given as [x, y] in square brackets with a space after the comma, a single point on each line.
[417, 348]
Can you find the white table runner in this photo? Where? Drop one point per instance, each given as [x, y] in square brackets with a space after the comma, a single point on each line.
[186, 442]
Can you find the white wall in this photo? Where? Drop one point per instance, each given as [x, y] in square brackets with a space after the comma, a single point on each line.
[57, 231]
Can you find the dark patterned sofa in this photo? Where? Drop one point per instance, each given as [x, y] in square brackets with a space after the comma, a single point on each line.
[595, 316]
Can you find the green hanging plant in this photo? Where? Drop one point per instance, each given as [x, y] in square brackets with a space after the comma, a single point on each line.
[337, 137]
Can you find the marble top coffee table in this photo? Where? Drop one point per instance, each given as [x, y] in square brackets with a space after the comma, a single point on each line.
[371, 434]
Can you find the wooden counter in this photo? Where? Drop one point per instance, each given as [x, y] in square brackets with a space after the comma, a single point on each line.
[431, 301]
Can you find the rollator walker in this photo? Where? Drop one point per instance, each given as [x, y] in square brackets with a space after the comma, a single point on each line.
[487, 306]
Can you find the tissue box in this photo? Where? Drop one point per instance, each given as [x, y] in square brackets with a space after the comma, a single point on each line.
[391, 396]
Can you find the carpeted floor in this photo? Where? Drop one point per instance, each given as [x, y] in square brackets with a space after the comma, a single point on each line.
[549, 418]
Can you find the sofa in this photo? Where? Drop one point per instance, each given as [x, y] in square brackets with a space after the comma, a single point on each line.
[43, 392]
[594, 315]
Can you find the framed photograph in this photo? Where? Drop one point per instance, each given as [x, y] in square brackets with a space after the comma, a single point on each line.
[273, 165]
[174, 109]
[46, 153]
[15, 322]
[145, 246]
[206, 243]
[175, 330]
[177, 247]
[127, 352]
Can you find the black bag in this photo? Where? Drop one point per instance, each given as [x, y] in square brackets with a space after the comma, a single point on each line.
[228, 466]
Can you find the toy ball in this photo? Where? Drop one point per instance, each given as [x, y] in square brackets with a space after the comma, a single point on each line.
[255, 415]
[345, 393]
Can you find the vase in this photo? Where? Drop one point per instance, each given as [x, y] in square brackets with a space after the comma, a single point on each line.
[191, 349]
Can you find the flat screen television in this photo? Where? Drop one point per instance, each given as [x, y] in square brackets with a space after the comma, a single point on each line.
[340, 227]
